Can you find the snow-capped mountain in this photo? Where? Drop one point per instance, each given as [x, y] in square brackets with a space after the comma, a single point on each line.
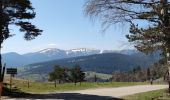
[68, 53]
[81, 52]
[53, 54]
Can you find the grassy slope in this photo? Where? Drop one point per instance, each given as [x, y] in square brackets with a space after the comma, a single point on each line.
[36, 87]
[152, 95]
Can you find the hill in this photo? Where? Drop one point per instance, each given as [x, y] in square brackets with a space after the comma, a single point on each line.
[101, 63]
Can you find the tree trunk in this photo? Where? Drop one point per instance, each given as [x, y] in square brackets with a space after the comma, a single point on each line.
[166, 31]
[1, 39]
[1, 79]
[95, 78]
[0, 66]
[169, 85]
[28, 84]
[169, 79]
[80, 83]
[3, 72]
[55, 83]
[75, 83]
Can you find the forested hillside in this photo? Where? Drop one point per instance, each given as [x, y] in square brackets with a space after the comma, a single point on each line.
[102, 63]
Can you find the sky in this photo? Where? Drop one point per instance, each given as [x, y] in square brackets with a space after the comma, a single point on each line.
[65, 26]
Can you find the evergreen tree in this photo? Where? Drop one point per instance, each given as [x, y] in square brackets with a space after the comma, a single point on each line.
[77, 75]
[154, 35]
[154, 14]
[58, 74]
[18, 13]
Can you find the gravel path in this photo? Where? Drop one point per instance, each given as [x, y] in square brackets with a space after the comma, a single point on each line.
[121, 91]
[94, 94]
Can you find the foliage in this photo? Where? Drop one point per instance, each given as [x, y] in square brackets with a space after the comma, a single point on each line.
[74, 74]
[77, 75]
[101, 63]
[139, 74]
[136, 75]
[18, 13]
[58, 74]
[152, 36]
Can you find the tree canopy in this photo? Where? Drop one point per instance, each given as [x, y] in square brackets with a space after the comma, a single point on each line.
[148, 20]
[63, 74]
[154, 32]
[58, 74]
[18, 13]
[77, 75]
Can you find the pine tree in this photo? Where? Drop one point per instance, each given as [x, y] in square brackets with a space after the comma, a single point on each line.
[77, 75]
[152, 35]
[58, 74]
[18, 13]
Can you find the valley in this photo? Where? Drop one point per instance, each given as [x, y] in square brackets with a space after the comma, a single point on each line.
[39, 64]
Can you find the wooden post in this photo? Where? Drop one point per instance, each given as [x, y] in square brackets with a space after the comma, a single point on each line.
[10, 82]
[1, 87]
[55, 83]
[28, 84]
[3, 72]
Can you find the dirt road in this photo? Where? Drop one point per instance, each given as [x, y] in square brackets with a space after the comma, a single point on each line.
[93, 94]
[121, 91]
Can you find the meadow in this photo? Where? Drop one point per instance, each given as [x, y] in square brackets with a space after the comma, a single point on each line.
[151, 95]
[49, 87]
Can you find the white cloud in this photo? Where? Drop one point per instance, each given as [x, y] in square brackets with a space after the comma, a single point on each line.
[52, 44]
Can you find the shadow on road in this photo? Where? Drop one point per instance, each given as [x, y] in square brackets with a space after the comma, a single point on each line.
[63, 96]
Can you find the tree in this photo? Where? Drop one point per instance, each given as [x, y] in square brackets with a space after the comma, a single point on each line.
[18, 13]
[154, 14]
[148, 74]
[77, 75]
[58, 74]
[95, 77]
[152, 36]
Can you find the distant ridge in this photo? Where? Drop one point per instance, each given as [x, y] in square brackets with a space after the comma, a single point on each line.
[17, 60]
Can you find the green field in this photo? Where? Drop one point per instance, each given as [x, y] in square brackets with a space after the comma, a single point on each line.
[44, 77]
[152, 95]
[37, 87]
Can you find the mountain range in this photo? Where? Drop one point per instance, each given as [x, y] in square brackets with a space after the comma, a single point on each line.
[14, 59]
[39, 64]
[101, 63]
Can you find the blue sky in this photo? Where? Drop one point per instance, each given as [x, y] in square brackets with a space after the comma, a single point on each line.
[65, 26]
